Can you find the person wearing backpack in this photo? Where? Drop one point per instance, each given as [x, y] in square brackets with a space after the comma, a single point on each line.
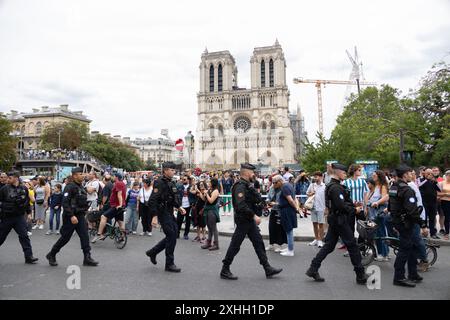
[41, 203]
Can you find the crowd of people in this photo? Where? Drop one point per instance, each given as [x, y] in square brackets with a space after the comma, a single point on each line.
[57, 154]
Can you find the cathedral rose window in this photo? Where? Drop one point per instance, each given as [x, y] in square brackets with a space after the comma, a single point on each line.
[242, 124]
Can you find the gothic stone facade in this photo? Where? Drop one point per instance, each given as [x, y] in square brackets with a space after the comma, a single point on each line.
[238, 125]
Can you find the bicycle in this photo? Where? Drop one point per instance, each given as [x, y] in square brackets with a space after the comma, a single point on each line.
[112, 231]
[367, 231]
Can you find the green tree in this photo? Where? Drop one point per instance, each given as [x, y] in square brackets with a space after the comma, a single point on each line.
[316, 154]
[113, 152]
[73, 135]
[7, 144]
[150, 165]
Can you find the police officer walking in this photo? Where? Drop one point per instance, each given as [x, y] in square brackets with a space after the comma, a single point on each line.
[405, 215]
[14, 203]
[75, 206]
[341, 209]
[245, 204]
[163, 200]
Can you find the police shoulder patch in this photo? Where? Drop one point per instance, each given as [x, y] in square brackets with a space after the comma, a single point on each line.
[240, 194]
[412, 200]
[66, 194]
[341, 196]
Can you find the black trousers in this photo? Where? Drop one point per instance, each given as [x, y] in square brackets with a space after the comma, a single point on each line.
[430, 212]
[251, 230]
[67, 231]
[339, 227]
[407, 253]
[146, 218]
[19, 224]
[277, 235]
[181, 218]
[170, 229]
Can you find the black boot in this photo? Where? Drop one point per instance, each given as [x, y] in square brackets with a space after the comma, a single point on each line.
[173, 268]
[271, 271]
[361, 278]
[315, 275]
[415, 279]
[51, 259]
[88, 261]
[151, 255]
[404, 283]
[226, 274]
[31, 260]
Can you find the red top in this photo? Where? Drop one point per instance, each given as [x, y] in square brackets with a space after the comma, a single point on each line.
[118, 186]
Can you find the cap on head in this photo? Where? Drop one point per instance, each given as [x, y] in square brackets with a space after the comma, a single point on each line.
[338, 166]
[248, 166]
[77, 170]
[169, 165]
[14, 174]
[402, 169]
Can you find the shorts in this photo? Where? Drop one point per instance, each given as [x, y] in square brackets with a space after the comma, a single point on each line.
[114, 213]
[317, 216]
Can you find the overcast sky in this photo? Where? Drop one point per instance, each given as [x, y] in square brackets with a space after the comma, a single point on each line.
[132, 66]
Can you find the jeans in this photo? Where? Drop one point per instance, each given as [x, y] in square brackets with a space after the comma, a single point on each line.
[290, 240]
[55, 212]
[417, 238]
[131, 219]
[382, 247]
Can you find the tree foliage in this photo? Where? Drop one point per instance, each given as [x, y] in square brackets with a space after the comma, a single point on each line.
[371, 124]
[73, 135]
[7, 144]
[113, 152]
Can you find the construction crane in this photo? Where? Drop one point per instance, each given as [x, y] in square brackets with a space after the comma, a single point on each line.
[319, 84]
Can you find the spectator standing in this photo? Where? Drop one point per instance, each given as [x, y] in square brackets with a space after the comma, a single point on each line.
[187, 200]
[287, 174]
[227, 183]
[41, 203]
[106, 192]
[277, 235]
[55, 208]
[317, 189]
[301, 186]
[144, 207]
[444, 195]
[211, 211]
[92, 188]
[429, 190]
[28, 217]
[131, 222]
[199, 216]
[439, 179]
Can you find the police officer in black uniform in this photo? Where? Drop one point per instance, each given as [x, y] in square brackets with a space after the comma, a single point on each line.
[405, 214]
[341, 209]
[14, 203]
[162, 202]
[75, 207]
[245, 203]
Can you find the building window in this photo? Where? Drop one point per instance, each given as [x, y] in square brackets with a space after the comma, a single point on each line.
[272, 126]
[211, 78]
[264, 126]
[38, 128]
[211, 130]
[263, 100]
[271, 72]
[220, 130]
[263, 74]
[219, 78]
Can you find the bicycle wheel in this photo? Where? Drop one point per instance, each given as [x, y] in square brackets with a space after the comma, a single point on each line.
[120, 239]
[431, 252]
[368, 253]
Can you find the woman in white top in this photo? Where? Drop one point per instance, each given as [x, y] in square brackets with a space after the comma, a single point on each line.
[144, 208]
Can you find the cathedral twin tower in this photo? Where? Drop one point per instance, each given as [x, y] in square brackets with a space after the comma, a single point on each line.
[237, 125]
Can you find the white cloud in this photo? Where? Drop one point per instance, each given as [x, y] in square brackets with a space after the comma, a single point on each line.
[133, 67]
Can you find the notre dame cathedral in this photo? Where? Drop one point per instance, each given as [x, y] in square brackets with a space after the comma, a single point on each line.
[237, 124]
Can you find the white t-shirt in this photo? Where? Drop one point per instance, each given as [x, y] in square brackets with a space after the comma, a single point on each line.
[287, 176]
[185, 200]
[319, 198]
[144, 195]
[94, 195]
[419, 198]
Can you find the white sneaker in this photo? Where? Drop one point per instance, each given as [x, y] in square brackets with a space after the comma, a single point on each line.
[35, 227]
[49, 232]
[386, 258]
[29, 233]
[41, 227]
[134, 232]
[142, 233]
[270, 247]
[57, 232]
[287, 253]
[314, 243]
[284, 250]
[149, 234]
[380, 259]
[320, 244]
[279, 249]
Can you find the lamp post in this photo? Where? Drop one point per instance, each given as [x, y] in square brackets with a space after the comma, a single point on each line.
[189, 145]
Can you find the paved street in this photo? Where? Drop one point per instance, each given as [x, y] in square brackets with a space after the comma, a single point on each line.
[128, 274]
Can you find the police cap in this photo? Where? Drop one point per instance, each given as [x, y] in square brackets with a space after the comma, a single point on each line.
[77, 170]
[14, 174]
[402, 169]
[247, 166]
[169, 165]
[339, 166]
